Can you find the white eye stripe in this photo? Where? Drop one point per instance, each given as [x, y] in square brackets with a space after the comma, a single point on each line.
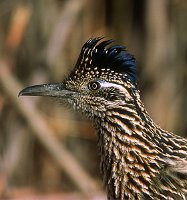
[120, 87]
[106, 84]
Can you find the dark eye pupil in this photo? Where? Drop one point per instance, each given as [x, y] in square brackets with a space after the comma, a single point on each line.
[94, 85]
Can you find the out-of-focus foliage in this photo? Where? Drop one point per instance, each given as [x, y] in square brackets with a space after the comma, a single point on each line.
[40, 41]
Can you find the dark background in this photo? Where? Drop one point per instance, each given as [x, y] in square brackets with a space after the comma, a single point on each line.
[46, 150]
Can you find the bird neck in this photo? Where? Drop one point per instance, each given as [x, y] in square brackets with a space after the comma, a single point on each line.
[125, 141]
[126, 125]
[134, 150]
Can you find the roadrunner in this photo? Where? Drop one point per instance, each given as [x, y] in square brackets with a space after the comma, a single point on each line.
[139, 160]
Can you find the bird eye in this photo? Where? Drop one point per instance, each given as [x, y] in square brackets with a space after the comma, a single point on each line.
[94, 85]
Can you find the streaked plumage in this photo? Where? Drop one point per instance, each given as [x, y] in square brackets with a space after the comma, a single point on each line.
[139, 160]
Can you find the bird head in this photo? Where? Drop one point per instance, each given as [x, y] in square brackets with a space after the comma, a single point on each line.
[104, 76]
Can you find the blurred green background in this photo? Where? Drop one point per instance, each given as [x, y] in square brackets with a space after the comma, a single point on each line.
[46, 150]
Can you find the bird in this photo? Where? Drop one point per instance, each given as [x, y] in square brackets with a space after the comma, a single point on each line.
[138, 159]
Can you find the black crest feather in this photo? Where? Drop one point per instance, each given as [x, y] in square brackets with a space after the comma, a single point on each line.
[98, 53]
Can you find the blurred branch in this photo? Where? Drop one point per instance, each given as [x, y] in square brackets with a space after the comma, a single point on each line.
[159, 56]
[18, 26]
[64, 26]
[44, 133]
[21, 194]
[13, 154]
[158, 34]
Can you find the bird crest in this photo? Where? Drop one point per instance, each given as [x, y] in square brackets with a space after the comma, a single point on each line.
[97, 55]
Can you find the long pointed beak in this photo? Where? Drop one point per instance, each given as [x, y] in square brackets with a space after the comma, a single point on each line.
[52, 90]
